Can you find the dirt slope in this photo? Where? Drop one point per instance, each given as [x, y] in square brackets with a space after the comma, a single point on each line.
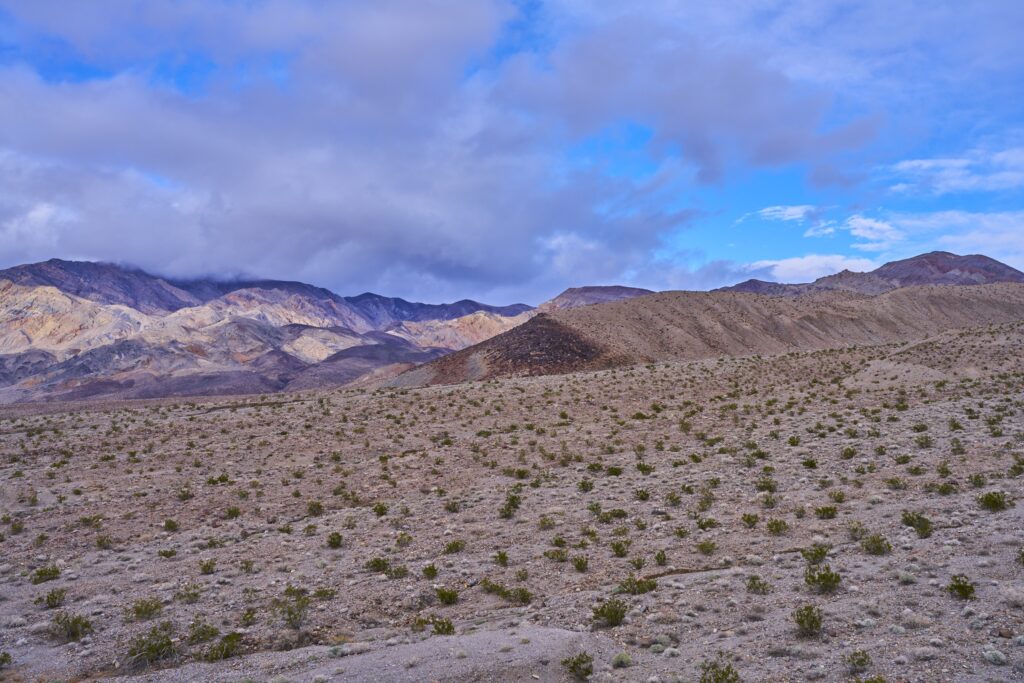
[674, 326]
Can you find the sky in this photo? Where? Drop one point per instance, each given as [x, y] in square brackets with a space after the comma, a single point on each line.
[504, 150]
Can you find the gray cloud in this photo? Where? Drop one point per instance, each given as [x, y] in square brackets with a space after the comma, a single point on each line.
[397, 152]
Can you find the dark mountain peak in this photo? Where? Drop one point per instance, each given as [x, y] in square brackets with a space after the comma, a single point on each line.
[386, 311]
[106, 283]
[943, 267]
[933, 268]
[574, 297]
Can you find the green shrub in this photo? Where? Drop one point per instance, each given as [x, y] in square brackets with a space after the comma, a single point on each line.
[580, 563]
[145, 608]
[207, 566]
[5, 660]
[777, 527]
[430, 571]
[447, 596]
[826, 512]
[54, 598]
[611, 612]
[72, 626]
[857, 661]
[994, 501]
[808, 620]
[580, 666]
[876, 544]
[226, 647]
[292, 606]
[757, 585]
[635, 586]
[918, 522]
[44, 574]
[453, 547]
[200, 632]
[816, 554]
[334, 540]
[718, 670]
[822, 579]
[961, 587]
[152, 646]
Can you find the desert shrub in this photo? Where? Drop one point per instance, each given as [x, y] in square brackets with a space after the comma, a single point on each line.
[718, 670]
[208, 566]
[430, 571]
[876, 544]
[580, 666]
[5, 660]
[749, 520]
[620, 548]
[822, 579]
[152, 646]
[519, 595]
[815, 554]
[960, 587]
[200, 632]
[456, 546]
[334, 540]
[918, 522]
[447, 596]
[501, 558]
[825, 512]
[994, 501]
[660, 558]
[777, 527]
[635, 586]
[292, 606]
[580, 563]
[44, 574]
[611, 612]
[145, 608]
[54, 598]
[226, 647]
[808, 620]
[757, 585]
[857, 661]
[557, 554]
[72, 626]
[189, 593]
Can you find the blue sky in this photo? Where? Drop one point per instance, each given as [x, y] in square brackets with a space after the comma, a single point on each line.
[505, 150]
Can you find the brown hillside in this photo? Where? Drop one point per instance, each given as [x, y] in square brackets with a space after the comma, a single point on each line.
[673, 326]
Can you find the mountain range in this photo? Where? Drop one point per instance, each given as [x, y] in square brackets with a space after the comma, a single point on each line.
[75, 330]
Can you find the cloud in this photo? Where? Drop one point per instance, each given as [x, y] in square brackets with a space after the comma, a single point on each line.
[803, 213]
[428, 148]
[807, 268]
[979, 171]
[876, 235]
[788, 213]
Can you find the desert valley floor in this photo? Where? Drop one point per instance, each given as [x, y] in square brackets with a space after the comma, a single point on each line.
[831, 515]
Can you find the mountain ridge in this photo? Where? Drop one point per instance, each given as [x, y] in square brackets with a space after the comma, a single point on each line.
[931, 268]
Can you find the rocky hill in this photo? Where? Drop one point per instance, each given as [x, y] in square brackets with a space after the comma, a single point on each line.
[934, 268]
[675, 326]
[72, 330]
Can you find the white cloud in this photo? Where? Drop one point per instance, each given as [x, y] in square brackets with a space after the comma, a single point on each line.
[978, 171]
[877, 235]
[810, 267]
[788, 213]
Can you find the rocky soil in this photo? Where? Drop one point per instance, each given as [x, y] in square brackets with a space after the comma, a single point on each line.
[652, 523]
